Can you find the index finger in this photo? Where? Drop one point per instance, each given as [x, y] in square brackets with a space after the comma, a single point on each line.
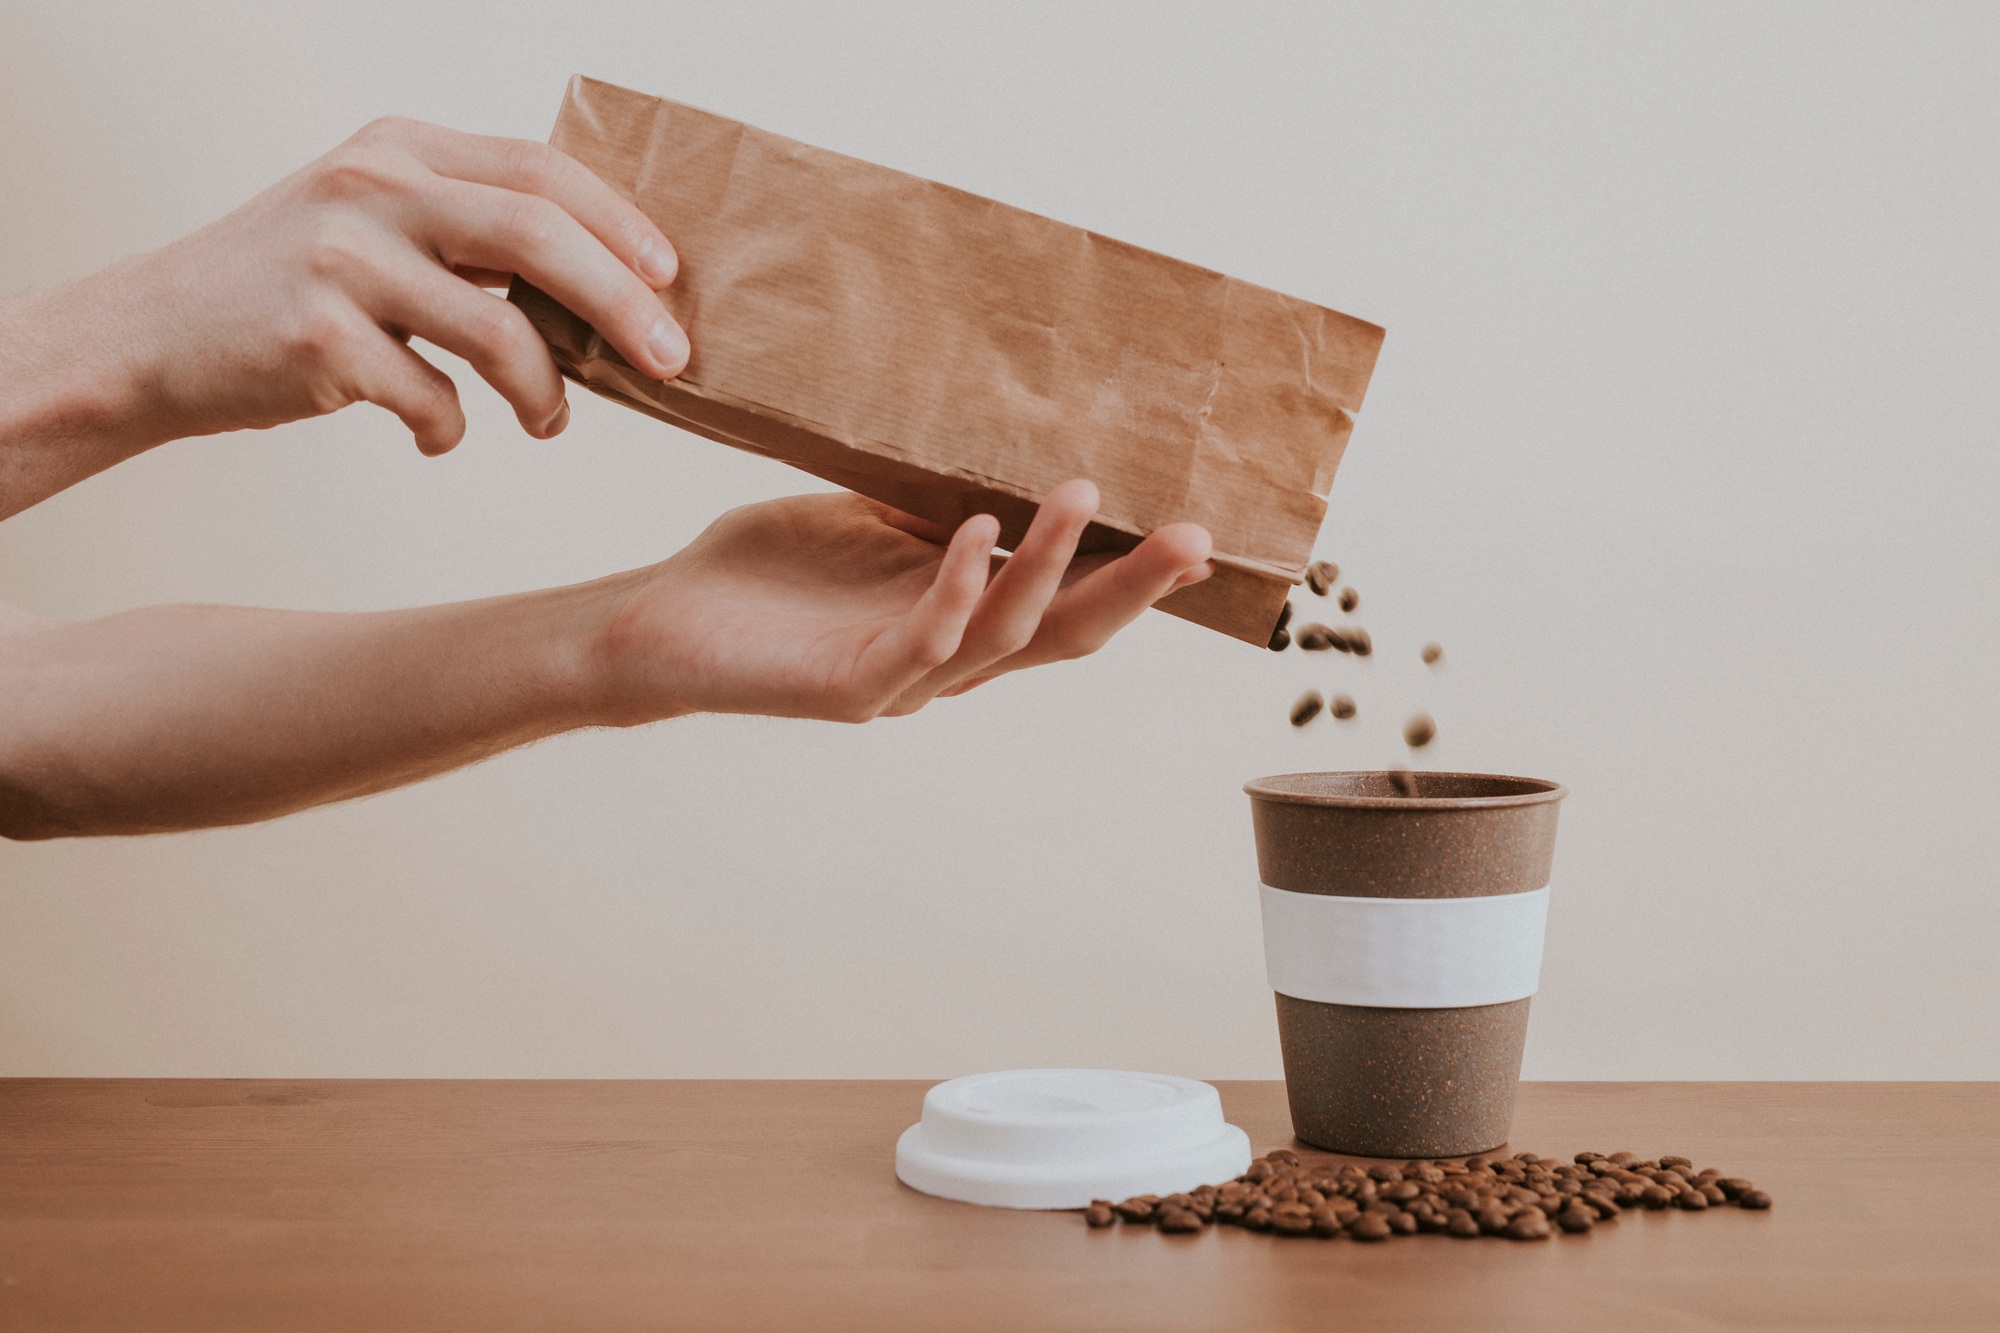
[535, 168]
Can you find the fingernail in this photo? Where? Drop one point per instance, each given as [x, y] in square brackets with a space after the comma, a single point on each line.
[555, 424]
[669, 348]
[657, 264]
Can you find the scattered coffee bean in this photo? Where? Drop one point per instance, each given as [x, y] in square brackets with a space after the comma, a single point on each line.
[1349, 599]
[1341, 706]
[1321, 576]
[1307, 708]
[1280, 640]
[1314, 638]
[1576, 1219]
[1523, 1197]
[1530, 1225]
[1370, 1226]
[1431, 654]
[1419, 731]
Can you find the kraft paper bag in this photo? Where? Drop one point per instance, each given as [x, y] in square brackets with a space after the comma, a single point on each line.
[949, 355]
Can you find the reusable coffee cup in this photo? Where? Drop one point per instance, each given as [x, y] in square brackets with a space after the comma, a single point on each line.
[1403, 938]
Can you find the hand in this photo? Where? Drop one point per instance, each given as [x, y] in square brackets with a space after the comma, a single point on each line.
[303, 300]
[833, 606]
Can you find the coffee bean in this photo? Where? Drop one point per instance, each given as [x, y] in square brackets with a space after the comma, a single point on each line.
[1655, 1196]
[1313, 638]
[1753, 1199]
[1692, 1200]
[1494, 1221]
[1576, 1219]
[1099, 1213]
[1282, 1156]
[1402, 1224]
[1321, 575]
[1349, 599]
[1624, 1158]
[1531, 1225]
[1403, 1191]
[1369, 1226]
[1306, 707]
[1431, 654]
[1132, 1210]
[1359, 643]
[1734, 1187]
[1675, 1161]
[1716, 1198]
[1280, 641]
[1341, 707]
[1403, 781]
[1419, 731]
[1258, 1219]
[1461, 1224]
[1179, 1221]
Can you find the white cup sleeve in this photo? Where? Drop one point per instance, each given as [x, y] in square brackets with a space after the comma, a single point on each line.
[1405, 953]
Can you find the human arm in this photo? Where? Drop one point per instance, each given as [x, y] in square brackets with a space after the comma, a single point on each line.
[827, 606]
[304, 300]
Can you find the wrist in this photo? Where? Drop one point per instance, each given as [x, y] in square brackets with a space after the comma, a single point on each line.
[604, 665]
[77, 399]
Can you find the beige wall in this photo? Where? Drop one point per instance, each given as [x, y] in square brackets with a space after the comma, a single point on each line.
[1683, 443]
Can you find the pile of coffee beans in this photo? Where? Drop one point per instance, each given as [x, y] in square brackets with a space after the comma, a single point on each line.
[1523, 1197]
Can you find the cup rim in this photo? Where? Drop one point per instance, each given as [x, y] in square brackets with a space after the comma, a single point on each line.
[1274, 788]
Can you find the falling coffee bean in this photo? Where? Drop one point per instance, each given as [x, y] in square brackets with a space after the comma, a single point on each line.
[1321, 576]
[1307, 708]
[1280, 640]
[1359, 643]
[1431, 654]
[1349, 599]
[1419, 731]
[1341, 707]
[1313, 638]
[1403, 781]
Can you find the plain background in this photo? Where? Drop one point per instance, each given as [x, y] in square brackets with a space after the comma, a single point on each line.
[1683, 443]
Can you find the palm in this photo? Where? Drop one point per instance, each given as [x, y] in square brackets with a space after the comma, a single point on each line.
[835, 606]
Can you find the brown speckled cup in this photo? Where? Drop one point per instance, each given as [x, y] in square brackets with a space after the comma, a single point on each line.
[1380, 1082]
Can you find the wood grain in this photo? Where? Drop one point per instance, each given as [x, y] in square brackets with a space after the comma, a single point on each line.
[300, 1204]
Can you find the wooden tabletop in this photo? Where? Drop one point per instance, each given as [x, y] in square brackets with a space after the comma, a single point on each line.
[283, 1204]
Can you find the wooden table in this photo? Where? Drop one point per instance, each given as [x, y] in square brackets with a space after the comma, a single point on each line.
[283, 1204]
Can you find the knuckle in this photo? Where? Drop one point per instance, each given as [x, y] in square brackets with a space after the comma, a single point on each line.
[335, 250]
[354, 171]
[530, 225]
[384, 129]
[320, 335]
[534, 167]
[500, 331]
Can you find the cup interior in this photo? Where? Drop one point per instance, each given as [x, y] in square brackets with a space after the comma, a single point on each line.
[1428, 790]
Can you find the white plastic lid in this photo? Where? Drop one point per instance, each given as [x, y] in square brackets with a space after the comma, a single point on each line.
[1058, 1138]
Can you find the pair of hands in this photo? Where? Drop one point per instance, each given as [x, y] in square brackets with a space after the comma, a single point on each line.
[305, 300]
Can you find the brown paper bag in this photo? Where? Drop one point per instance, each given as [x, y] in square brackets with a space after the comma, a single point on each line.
[950, 355]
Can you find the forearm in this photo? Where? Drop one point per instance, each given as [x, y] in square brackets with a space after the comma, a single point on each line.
[187, 717]
[73, 390]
